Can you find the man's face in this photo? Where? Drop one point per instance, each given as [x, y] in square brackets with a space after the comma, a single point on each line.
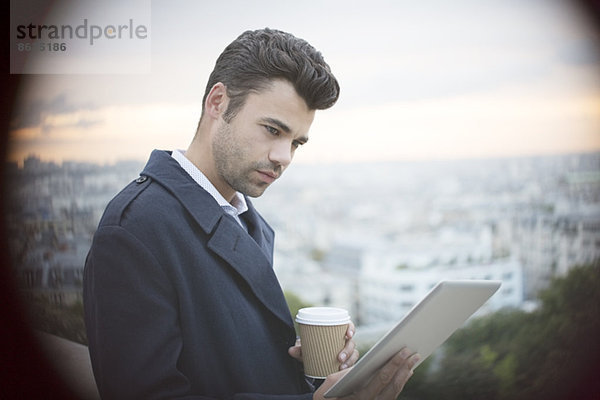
[258, 144]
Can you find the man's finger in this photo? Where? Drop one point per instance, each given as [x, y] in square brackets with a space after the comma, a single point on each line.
[296, 352]
[350, 331]
[391, 391]
[353, 359]
[385, 375]
[347, 352]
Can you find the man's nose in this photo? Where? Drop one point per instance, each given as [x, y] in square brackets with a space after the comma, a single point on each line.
[281, 153]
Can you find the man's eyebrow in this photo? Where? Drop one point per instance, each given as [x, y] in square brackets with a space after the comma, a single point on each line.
[281, 125]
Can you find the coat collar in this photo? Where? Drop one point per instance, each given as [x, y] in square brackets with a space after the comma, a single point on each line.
[249, 254]
[164, 169]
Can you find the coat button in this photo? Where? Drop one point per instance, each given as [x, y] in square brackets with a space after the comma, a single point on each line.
[141, 179]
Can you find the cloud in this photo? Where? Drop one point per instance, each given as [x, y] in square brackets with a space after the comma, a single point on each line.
[107, 133]
[405, 69]
[513, 122]
[41, 112]
[582, 51]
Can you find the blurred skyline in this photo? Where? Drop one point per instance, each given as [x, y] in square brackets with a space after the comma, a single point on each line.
[419, 81]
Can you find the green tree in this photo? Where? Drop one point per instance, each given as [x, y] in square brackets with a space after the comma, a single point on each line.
[551, 353]
[566, 357]
[294, 304]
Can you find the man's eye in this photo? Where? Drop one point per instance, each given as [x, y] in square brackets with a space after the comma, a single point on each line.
[271, 130]
[296, 144]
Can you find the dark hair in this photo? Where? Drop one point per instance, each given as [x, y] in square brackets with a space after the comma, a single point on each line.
[255, 58]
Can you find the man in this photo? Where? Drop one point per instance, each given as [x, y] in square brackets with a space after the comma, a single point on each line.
[180, 296]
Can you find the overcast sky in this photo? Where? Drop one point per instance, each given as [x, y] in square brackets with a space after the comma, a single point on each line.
[420, 80]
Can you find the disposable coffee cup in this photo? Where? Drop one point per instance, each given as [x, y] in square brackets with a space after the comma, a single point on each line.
[322, 333]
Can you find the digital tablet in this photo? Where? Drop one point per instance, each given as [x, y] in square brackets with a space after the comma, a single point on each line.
[425, 327]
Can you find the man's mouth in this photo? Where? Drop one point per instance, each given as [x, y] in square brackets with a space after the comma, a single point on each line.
[268, 176]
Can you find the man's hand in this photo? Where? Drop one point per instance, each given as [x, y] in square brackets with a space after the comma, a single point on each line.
[385, 385]
[347, 357]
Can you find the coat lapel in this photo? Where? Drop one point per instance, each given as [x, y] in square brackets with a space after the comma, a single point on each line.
[245, 255]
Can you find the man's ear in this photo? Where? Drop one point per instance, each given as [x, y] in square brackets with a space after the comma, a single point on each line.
[216, 101]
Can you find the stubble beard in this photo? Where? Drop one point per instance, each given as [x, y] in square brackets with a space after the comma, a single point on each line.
[233, 166]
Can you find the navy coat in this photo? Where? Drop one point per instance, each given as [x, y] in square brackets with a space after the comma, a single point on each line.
[181, 302]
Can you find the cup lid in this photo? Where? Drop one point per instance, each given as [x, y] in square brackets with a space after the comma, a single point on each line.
[322, 316]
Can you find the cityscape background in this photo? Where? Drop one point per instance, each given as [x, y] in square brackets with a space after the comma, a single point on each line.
[375, 242]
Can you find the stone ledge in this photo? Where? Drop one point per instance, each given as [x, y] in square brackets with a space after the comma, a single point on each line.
[72, 362]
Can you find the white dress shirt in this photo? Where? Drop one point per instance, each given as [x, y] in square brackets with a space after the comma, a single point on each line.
[235, 208]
